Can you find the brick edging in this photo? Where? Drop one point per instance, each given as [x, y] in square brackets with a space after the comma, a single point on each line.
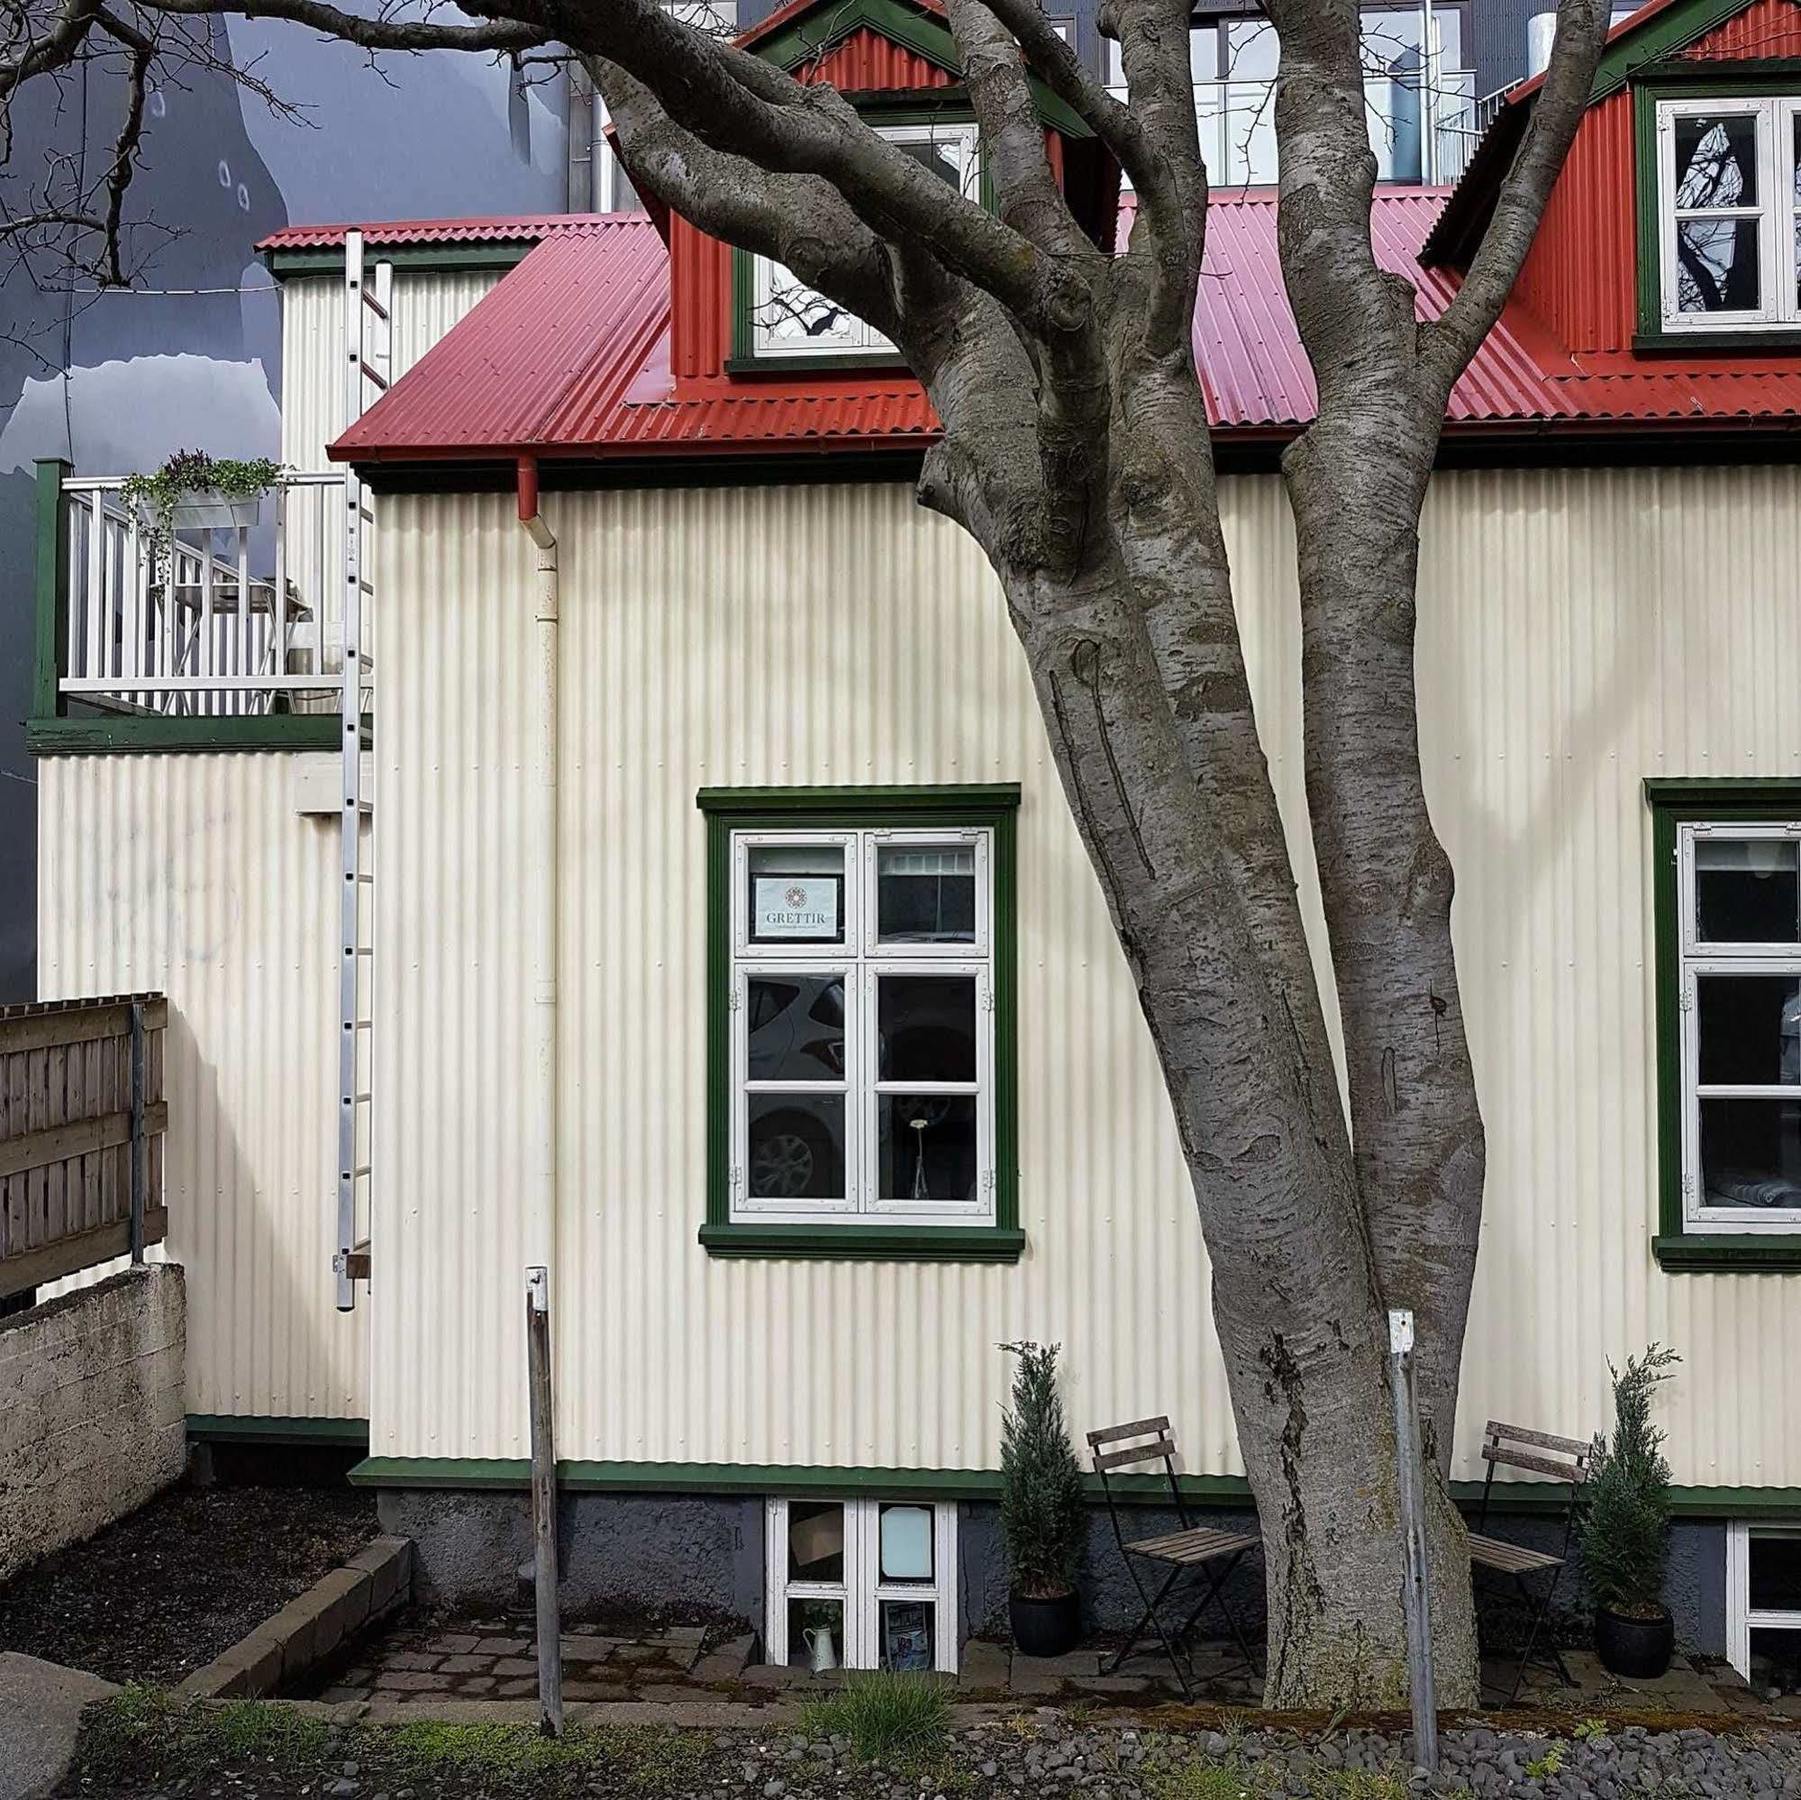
[311, 1627]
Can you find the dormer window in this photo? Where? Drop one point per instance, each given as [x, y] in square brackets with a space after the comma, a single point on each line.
[782, 320]
[1729, 213]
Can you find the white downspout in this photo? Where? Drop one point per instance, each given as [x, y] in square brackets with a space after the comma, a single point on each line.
[543, 851]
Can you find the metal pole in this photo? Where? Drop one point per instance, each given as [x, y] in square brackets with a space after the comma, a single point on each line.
[544, 1505]
[1429, 71]
[138, 1170]
[1415, 1598]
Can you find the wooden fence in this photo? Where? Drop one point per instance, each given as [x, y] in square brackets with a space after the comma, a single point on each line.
[82, 1117]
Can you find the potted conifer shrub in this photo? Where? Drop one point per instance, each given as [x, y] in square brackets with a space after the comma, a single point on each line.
[1043, 1515]
[1626, 1526]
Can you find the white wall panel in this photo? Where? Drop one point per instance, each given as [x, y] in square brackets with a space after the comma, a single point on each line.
[195, 875]
[1579, 630]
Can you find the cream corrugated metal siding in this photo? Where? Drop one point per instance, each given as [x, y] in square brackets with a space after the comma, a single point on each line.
[1580, 630]
[197, 875]
[425, 304]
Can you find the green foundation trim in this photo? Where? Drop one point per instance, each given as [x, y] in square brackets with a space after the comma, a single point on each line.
[232, 1428]
[752, 1479]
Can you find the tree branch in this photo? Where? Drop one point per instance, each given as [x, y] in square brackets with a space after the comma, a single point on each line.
[1449, 342]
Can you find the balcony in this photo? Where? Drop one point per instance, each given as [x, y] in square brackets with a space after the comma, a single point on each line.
[228, 634]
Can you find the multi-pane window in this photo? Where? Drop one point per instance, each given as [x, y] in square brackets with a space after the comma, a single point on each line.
[862, 1027]
[861, 1584]
[789, 319]
[1729, 226]
[1739, 924]
[1419, 97]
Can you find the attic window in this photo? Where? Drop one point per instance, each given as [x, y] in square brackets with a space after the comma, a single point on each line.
[782, 318]
[1729, 205]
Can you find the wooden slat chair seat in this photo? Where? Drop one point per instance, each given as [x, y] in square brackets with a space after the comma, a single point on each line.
[1208, 1554]
[1540, 1453]
[1198, 1544]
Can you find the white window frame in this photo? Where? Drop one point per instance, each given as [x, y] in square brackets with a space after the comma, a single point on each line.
[865, 340]
[862, 960]
[862, 1591]
[1696, 959]
[1779, 218]
[1741, 1618]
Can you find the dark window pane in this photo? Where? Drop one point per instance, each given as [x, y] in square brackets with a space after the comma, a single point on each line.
[816, 1541]
[942, 157]
[926, 894]
[1747, 890]
[1716, 160]
[928, 1146]
[815, 1634]
[1751, 1153]
[1775, 1574]
[1776, 1660]
[927, 1027]
[1716, 266]
[1750, 1029]
[796, 1027]
[796, 1147]
[907, 1633]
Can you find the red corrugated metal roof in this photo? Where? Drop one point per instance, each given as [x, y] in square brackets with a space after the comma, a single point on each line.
[570, 356]
[528, 228]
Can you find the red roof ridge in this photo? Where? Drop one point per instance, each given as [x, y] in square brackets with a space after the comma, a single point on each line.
[499, 228]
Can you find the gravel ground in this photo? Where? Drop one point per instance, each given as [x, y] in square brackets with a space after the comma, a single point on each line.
[168, 1587]
[1029, 1756]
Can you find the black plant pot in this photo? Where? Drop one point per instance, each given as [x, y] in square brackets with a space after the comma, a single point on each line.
[1045, 1627]
[1641, 1648]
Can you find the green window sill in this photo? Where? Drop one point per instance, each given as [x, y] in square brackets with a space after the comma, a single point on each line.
[867, 1243]
[1732, 1253]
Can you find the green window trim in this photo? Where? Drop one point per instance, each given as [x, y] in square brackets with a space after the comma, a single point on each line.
[579, 1476]
[991, 807]
[1651, 84]
[1721, 800]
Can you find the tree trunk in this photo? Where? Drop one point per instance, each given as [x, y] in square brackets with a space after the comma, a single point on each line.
[1296, 1300]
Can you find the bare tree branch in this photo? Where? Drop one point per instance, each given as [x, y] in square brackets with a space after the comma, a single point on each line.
[1451, 340]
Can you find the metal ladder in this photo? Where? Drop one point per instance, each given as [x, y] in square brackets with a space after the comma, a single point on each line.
[368, 343]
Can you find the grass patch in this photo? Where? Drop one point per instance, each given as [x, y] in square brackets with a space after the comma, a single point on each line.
[1230, 1779]
[146, 1734]
[144, 1738]
[900, 1721]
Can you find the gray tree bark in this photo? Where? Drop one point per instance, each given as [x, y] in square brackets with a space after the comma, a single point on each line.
[1075, 450]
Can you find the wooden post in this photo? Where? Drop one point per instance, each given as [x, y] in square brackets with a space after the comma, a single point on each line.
[1415, 1597]
[544, 1505]
[139, 1167]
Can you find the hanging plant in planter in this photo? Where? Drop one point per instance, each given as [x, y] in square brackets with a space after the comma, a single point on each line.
[1043, 1516]
[207, 492]
[1626, 1526]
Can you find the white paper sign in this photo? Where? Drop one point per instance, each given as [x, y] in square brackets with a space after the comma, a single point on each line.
[795, 906]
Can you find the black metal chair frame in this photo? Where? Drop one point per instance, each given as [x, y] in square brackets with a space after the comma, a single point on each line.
[1233, 1548]
[1543, 1454]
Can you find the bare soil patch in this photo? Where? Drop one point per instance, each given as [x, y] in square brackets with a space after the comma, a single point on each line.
[167, 1588]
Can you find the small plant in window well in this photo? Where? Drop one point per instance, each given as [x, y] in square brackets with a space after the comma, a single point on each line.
[1044, 1519]
[1626, 1527]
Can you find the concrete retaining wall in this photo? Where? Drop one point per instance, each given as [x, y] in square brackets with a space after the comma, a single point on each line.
[91, 1409]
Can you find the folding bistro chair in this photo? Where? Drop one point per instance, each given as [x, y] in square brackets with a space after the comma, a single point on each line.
[1544, 1455]
[1208, 1554]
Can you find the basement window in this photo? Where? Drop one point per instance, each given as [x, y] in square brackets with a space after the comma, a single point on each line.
[1729, 213]
[861, 1584]
[1763, 1601]
[781, 319]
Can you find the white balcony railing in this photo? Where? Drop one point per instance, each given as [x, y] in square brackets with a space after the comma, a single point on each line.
[228, 621]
